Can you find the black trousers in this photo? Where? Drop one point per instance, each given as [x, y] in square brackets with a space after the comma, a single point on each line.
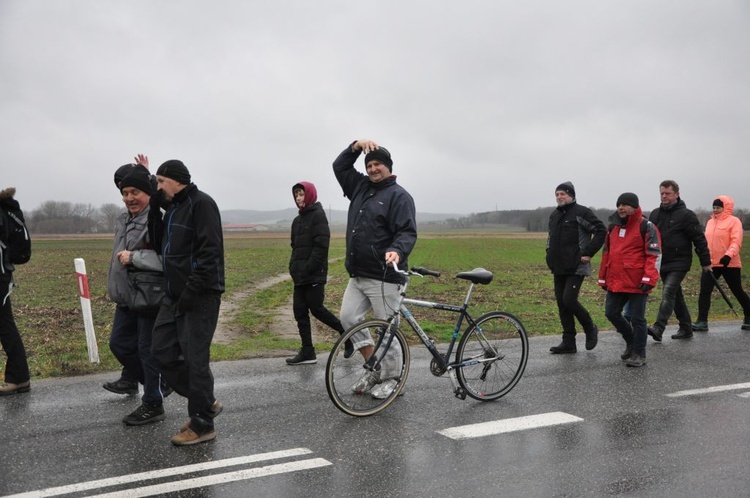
[733, 278]
[567, 289]
[181, 345]
[309, 299]
[17, 367]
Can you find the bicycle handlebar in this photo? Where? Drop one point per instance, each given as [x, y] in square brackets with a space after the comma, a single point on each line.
[416, 270]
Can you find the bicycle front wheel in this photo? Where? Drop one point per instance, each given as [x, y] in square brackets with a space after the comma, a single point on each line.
[346, 378]
[496, 350]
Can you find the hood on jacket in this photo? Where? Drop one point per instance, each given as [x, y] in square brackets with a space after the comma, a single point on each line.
[728, 207]
[311, 194]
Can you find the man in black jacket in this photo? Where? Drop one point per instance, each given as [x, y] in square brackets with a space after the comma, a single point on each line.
[575, 235]
[308, 266]
[381, 230]
[191, 243]
[680, 231]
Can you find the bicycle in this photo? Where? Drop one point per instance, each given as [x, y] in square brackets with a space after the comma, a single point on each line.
[489, 361]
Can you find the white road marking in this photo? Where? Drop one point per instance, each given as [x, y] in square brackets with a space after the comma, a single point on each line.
[707, 390]
[200, 482]
[744, 395]
[161, 473]
[509, 425]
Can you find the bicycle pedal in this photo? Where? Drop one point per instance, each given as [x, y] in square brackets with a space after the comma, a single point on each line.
[460, 394]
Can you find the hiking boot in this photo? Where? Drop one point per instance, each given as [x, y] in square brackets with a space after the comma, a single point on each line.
[382, 391]
[564, 348]
[165, 389]
[145, 414]
[700, 327]
[592, 337]
[121, 386]
[628, 352]
[10, 388]
[656, 334]
[683, 334]
[746, 324]
[189, 436]
[348, 349]
[636, 361]
[216, 409]
[306, 356]
[366, 382]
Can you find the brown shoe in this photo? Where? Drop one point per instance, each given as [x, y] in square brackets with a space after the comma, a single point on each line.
[9, 388]
[188, 437]
[216, 408]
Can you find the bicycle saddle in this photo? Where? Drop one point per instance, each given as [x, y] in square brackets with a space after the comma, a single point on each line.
[477, 276]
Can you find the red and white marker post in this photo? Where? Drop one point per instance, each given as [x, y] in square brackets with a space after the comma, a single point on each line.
[88, 319]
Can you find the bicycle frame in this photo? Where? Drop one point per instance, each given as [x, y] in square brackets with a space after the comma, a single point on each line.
[443, 360]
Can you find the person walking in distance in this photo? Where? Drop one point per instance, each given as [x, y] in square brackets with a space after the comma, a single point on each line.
[629, 272]
[190, 240]
[308, 266]
[680, 230]
[381, 230]
[575, 235]
[724, 235]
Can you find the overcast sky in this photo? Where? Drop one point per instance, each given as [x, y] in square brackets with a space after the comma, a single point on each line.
[484, 105]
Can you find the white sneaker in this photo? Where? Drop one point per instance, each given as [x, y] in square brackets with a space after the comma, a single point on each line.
[382, 391]
[365, 383]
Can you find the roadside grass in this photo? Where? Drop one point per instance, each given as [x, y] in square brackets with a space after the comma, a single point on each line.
[47, 306]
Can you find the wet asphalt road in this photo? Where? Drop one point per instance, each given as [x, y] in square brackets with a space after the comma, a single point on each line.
[635, 436]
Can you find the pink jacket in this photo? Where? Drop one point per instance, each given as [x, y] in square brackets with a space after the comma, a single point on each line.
[724, 235]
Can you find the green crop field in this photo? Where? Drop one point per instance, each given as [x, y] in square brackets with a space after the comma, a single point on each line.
[47, 305]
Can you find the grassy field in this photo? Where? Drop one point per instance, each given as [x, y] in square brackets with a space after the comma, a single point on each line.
[47, 306]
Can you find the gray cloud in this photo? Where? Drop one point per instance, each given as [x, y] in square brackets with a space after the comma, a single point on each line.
[484, 105]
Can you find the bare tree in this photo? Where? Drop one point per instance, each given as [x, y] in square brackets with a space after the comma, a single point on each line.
[109, 214]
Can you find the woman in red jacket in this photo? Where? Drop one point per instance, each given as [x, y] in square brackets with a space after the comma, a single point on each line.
[724, 236]
[629, 271]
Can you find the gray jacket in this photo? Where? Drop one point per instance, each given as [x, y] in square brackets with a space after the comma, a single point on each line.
[131, 235]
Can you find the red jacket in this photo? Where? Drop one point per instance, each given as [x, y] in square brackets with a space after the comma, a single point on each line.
[630, 258]
[724, 235]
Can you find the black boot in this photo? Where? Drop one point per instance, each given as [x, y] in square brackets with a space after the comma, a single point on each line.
[306, 356]
[592, 338]
[628, 352]
[567, 346]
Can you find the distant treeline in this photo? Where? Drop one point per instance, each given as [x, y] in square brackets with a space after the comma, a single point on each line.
[536, 220]
[56, 217]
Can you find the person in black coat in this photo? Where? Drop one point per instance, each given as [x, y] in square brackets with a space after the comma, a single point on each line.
[575, 236]
[308, 267]
[680, 232]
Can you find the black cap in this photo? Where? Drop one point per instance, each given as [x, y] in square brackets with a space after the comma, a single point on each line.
[381, 155]
[568, 188]
[176, 170]
[628, 199]
[140, 178]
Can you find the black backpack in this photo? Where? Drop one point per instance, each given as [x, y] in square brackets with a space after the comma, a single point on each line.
[15, 241]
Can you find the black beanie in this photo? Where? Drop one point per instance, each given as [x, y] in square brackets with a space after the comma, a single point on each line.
[121, 172]
[628, 199]
[139, 178]
[568, 188]
[718, 202]
[176, 170]
[382, 155]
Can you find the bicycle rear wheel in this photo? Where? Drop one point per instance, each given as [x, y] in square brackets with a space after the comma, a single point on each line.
[343, 374]
[499, 344]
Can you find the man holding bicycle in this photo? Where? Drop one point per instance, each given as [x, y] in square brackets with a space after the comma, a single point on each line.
[381, 230]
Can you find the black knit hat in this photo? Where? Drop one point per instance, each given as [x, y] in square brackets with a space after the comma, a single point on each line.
[718, 202]
[121, 172]
[176, 170]
[628, 199]
[381, 155]
[140, 178]
[568, 188]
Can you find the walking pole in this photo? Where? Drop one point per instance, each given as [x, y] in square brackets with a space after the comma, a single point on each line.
[723, 294]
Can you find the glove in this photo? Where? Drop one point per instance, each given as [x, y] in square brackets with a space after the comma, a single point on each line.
[188, 300]
[646, 288]
[725, 260]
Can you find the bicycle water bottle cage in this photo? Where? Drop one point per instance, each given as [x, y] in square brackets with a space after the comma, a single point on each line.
[477, 276]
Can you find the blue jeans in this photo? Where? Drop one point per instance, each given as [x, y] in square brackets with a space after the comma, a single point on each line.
[130, 342]
[635, 331]
[673, 300]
